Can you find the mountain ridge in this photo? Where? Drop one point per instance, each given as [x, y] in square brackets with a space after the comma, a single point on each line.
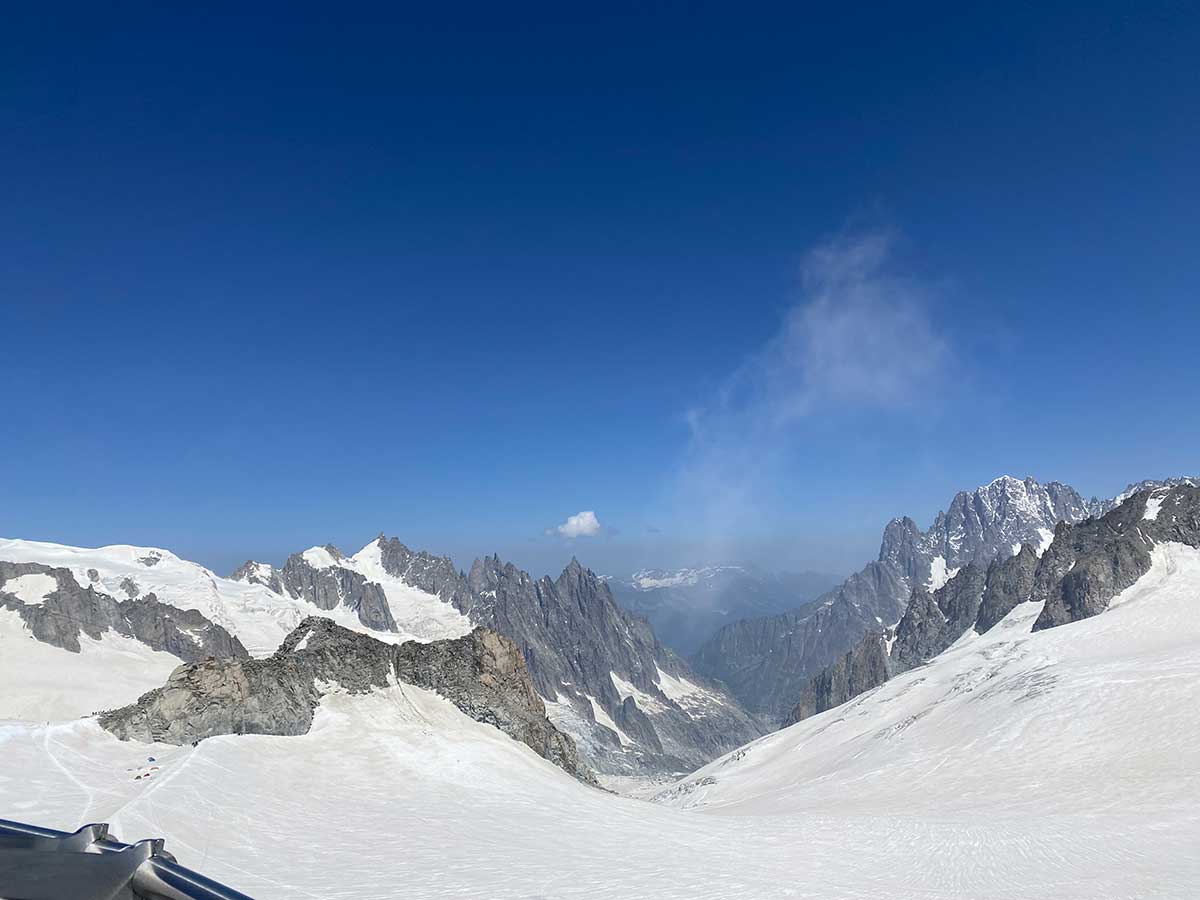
[766, 662]
[1073, 578]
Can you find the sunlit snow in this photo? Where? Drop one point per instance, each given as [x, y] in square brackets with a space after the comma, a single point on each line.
[30, 589]
[1060, 764]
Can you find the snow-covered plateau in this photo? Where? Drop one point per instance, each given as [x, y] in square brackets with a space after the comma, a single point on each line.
[1059, 764]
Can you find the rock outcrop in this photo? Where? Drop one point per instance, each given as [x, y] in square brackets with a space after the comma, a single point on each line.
[934, 621]
[483, 674]
[70, 610]
[862, 668]
[1091, 563]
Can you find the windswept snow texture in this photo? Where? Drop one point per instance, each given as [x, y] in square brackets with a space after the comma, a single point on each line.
[257, 615]
[1062, 764]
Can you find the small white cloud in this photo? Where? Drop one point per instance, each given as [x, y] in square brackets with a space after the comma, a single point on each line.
[582, 524]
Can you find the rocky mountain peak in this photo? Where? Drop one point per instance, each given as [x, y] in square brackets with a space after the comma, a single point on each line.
[767, 661]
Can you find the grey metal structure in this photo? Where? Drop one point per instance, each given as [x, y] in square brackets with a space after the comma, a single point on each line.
[43, 864]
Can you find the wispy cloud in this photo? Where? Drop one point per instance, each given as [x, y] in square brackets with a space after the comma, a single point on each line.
[582, 524]
[862, 338]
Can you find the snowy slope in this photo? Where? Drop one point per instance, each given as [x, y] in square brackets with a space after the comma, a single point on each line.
[1061, 764]
[42, 682]
[422, 615]
[1075, 746]
[257, 615]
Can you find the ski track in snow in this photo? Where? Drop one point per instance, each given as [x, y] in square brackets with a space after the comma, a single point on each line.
[1063, 764]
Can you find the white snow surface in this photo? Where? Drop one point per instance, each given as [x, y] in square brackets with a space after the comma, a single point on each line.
[30, 589]
[423, 616]
[319, 558]
[646, 703]
[606, 720]
[39, 681]
[939, 574]
[1062, 764]
[254, 613]
[1047, 538]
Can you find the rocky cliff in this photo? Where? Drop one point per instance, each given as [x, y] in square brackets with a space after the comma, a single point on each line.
[63, 610]
[326, 585]
[483, 674]
[634, 704]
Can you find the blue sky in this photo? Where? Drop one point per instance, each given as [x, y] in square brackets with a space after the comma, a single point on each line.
[308, 274]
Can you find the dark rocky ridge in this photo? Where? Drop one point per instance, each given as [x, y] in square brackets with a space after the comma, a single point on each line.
[1078, 575]
[1089, 564]
[336, 586]
[71, 610]
[863, 667]
[573, 634]
[934, 621]
[435, 575]
[767, 661]
[483, 674]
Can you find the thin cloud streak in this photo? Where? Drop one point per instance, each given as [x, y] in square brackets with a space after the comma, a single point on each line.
[861, 339]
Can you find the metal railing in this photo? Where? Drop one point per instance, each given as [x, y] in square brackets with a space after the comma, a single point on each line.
[44, 864]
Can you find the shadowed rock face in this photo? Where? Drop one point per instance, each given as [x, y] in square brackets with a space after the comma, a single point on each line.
[71, 610]
[934, 621]
[863, 668]
[575, 638]
[1009, 583]
[483, 674]
[1089, 564]
[337, 586]
[1079, 574]
[433, 574]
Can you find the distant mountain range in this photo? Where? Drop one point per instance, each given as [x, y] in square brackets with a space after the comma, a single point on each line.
[630, 704]
[687, 606]
[100, 627]
[766, 661]
[1027, 728]
[1074, 577]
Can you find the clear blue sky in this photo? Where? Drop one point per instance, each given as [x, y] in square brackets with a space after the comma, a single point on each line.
[306, 274]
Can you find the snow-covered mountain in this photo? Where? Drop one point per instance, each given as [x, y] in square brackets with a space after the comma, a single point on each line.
[1052, 763]
[1034, 759]
[631, 704]
[686, 606]
[1075, 577]
[766, 661]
